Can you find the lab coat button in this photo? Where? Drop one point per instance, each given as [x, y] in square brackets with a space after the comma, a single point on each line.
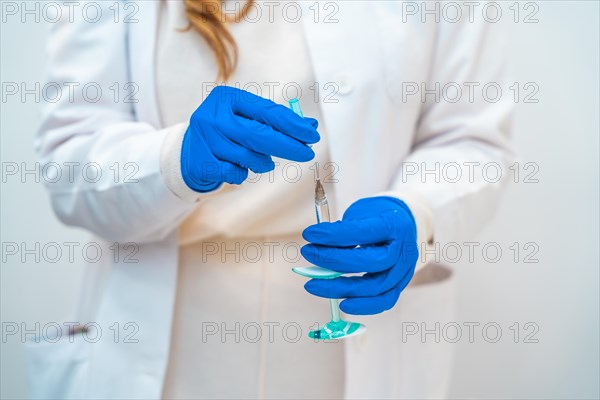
[344, 84]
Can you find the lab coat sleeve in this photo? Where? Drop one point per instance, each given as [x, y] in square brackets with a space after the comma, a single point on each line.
[473, 135]
[101, 165]
[170, 164]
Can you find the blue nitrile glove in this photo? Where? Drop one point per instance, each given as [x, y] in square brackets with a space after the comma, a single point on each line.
[385, 230]
[234, 131]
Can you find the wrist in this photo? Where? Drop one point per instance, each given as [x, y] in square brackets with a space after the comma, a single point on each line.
[171, 166]
[423, 216]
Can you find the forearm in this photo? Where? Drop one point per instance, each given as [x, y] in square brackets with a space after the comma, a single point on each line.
[111, 184]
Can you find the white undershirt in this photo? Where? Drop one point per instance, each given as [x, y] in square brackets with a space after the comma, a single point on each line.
[272, 56]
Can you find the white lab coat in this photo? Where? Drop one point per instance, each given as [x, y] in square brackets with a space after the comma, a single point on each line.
[369, 53]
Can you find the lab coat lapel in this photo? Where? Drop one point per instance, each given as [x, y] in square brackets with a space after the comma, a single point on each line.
[152, 281]
[142, 49]
[321, 38]
[343, 57]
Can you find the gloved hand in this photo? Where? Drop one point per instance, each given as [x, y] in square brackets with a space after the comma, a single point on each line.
[234, 131]
[376, 235]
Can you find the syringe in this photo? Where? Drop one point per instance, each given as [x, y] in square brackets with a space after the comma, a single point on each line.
[322, 210]
[336, 328]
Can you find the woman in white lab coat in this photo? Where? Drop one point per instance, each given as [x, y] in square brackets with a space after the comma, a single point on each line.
[189, 280]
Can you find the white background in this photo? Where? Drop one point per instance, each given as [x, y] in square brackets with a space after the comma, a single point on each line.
[560, 213]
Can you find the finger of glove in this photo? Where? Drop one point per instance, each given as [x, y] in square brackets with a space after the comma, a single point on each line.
[367, 285]
[232, 173]
[203, 171]
[226, 150]
[351, 232]
[313, 122]
[372, 305]
[277, 116]
[352, 260]
[263, 139]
